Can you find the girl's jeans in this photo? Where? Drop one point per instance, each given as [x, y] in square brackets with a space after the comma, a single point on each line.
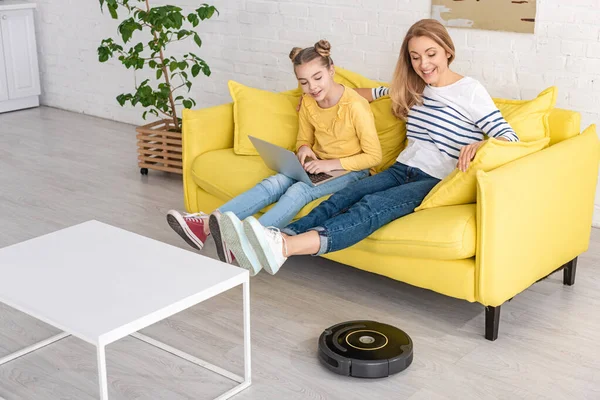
[290, 196]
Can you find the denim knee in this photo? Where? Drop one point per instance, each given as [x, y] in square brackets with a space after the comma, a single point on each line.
[299, 191]
[275, 185]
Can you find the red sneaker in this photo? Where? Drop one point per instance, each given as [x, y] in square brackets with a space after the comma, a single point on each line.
[189, 226]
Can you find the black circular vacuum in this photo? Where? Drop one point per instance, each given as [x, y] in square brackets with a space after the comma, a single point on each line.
[365, 349]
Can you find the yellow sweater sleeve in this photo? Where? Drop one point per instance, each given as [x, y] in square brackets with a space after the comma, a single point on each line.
[364, 124]
[306, 131]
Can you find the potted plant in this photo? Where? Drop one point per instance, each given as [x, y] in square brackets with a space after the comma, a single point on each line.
[159, 143]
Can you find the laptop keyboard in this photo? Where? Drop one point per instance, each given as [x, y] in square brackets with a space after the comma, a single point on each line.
[316, 178]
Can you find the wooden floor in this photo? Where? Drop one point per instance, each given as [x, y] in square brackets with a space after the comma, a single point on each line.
[59, 168]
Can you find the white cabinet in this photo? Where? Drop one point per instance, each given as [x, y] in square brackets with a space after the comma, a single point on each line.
[3, 81]
[19, 71]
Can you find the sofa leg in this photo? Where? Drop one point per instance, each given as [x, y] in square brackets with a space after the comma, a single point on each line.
[569, 272]
[492, 322]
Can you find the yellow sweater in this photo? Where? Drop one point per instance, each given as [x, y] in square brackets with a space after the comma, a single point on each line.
[345, 131]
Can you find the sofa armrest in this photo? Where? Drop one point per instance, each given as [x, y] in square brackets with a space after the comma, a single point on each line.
[534, 215]
[203, 130]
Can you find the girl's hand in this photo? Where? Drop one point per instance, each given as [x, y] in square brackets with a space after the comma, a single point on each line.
[305, 152]
[467, 153]
[319, 166]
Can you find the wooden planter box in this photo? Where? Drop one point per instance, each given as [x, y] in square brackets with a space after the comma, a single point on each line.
[158, 148]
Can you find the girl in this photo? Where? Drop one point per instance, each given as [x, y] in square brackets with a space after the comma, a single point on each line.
[336, 131]
[447, 116]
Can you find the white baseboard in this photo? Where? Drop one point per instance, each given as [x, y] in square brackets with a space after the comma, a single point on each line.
[19, 104]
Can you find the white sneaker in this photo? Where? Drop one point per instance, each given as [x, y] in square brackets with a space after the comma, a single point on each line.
[225, 255]
[236, 241]
[268, 243]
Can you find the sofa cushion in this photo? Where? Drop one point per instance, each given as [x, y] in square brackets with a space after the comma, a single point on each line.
[461, 187]
[529, 118]
[446, 233]
[225, 175]
[564, 124]
[266, 115]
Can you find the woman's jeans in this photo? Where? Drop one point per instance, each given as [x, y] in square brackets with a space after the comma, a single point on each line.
[355, 212]
[289, 194]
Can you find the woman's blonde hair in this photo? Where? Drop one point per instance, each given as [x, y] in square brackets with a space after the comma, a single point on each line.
[321, 49]
[407, 87]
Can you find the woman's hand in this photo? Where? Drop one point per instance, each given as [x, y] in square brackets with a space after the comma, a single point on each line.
[319, 166]
[305, 152]
[467, 153]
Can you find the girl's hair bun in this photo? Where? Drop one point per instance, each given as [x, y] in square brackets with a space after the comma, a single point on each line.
[323, 47]
[295, 51]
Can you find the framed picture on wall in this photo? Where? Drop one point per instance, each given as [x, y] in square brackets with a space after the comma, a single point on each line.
[497, 15]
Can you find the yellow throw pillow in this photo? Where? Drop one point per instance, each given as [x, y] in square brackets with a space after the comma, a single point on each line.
[461, 187]
[391, 130]
[265, 115]
[529, 118]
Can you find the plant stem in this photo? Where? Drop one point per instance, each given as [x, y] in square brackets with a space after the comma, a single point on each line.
[166, 75]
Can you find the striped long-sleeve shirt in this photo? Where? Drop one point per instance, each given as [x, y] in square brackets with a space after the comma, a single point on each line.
[450, 118]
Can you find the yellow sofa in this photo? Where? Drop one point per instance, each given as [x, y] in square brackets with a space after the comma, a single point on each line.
[532, 216]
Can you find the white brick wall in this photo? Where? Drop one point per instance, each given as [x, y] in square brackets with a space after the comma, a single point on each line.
[250, 41]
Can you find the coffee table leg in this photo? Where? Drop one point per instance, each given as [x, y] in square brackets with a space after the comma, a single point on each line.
[244, 381]
[33, 348]
[247, 342]
[102, 373]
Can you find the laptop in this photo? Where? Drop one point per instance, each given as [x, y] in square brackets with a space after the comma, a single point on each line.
[286, 162]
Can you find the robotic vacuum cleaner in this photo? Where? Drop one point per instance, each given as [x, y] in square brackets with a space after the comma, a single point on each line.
[365, 349]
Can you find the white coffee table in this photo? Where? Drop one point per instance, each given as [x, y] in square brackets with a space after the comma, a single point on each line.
[101, 283]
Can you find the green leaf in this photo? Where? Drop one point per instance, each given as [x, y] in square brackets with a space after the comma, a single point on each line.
[189, 85]
[139, 48]
[195, 70]
[206, 70]
[113, 11]
[173, 66]
[144, 115]
[103, 54]
[127, 27]
[182, 65]
[121, 99]
[206, 11]
[178, 98]
[152, 64]
[197, 39]
[159, 73]
[193, 18]
[187, 104]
